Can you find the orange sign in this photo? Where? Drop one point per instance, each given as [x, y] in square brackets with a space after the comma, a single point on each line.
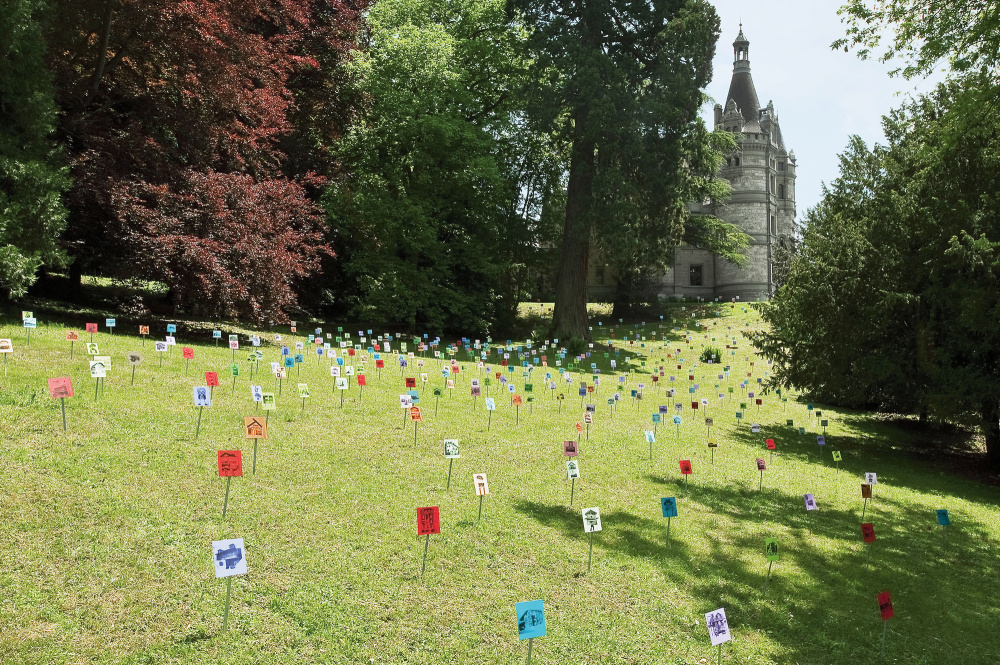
[143, 330]
[579, 427]
[255, 428]
[72, 336]
[518, 401]
[415, 414]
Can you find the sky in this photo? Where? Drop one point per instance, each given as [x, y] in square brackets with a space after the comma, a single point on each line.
[821, 96]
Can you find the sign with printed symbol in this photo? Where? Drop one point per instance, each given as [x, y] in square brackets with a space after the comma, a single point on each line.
[256, 393]
[202, 396]
[143, 330]
[92, 349]
[572, 469]
[133, 358]
[669, 506]
[255, 428]
[530, 619]
[61, 387]
[836, 456]
[481, 484]
[72, 336]
[161, 347]
[591, 519]
[187, 353]
[569, 448]
[686, 467]
[428, 521]
[755, 428]
[451, 449]
[91, 327]
[211, 378]
[268, 402]
[229, 557]
[821, 440]
[771, 549]
[303, 390]
[868, 532]
[770, 444]
[341, 383]
[871, 478]
[761, 465]
[490, 404]
[810, 502]
[718, 627]
[885, 606]
[230, 463]
[415, 414]
[98, 370]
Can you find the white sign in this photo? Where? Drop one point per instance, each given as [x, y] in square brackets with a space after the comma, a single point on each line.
[342, 383]
[171, 340]
[591, 519]
[451, 449]
[202, 396]
[97, 369]
[161, 347]
[256, 393]
[229, 557]
[405, 401]
[871, 478]
[718, 626]
[482, 485]
[572, 469]
[490, 404]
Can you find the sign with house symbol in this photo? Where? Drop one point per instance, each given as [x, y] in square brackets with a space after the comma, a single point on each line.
[451, 449]
[591, 519]
[771, 549]
[885, 606]
[572, 469]
[530, 619]
[718, 626]
[229, 557]
[810, 502]
[482, 485]
[202, 397]
[569, 448]
[871, 478]
[255, 428]
[98, 370]
[230, 463]
[428, 521]
[669, 506]
[60, 387]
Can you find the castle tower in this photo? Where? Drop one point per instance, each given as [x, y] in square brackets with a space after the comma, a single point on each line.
[761, 174]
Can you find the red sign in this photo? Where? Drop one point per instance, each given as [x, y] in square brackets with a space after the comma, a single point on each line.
[770, 444]
[379, 364]
[362, 381]
[61, 387]
[686, 467]
[694, 405]
[187, 352]
[569, 448]
[759, 401]
[579, 427]
[455, 369]
[885, 606]
[868, 532]
[211, 379]
[377, 347]
[428, 521]
[350, 352]
[411, 382]
[230, 463]
[690, 377]
[415, 414]
[91, 327]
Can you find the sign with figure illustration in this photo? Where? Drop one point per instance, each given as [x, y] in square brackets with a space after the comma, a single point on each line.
[686, 467]
[230, 463]
[718, 626]
[202, 396]
[943, 519]
[761, 465]
[481, 484]
[229, 557]
[669, 506]
[530, 619]
[591, 519]
[868, 532]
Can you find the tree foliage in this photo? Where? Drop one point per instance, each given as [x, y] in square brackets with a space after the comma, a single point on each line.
[31, 176]
[619, 83]
[172, 113]
[436, 217]
[893, 298]
[965, 33]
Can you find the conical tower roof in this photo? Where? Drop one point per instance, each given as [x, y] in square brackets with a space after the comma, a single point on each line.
[741, 88]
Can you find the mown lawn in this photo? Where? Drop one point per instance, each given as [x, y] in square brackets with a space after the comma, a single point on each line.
[106, 531]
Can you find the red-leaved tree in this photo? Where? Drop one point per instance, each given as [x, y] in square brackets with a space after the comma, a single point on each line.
[173, 114]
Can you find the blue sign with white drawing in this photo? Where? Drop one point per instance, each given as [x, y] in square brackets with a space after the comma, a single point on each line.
[171, 328]
[669, 505]
[530, 619]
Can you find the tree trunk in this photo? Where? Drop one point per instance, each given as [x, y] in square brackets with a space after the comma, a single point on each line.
[991, 430]
[569, 317]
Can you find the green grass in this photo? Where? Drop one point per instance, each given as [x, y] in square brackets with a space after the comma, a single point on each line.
[105, 538]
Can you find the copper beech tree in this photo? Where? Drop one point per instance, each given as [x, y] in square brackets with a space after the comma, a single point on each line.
[174, 115]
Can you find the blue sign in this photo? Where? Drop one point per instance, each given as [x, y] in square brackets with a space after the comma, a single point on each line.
[669, 505]
[171, 327]
[677, 420]
[285, 351]
[299, 358]
[943, 518]
[289, 361]
[109, 323]
[530, 619]
[217, 334]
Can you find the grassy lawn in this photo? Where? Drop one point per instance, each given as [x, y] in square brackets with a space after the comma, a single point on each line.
[105, 539]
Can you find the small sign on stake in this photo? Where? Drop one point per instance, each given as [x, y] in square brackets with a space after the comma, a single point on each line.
[229, 561]
[428, 522]
[530, 622]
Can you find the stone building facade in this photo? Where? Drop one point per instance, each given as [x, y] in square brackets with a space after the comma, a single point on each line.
[761, 174]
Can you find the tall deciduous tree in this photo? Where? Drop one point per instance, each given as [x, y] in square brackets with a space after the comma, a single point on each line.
[436, 219]
[620, 83]
[893, 300]
[172, 112]
[31, 177]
